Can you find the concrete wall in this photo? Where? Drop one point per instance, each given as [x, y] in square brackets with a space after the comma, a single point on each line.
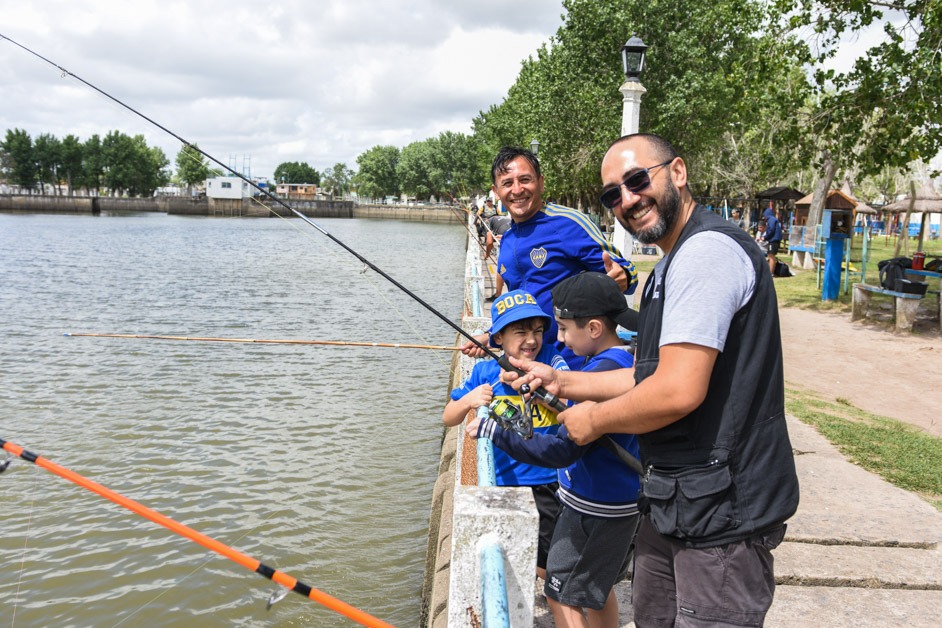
[247, 207]
[55, 204]
[464, 517]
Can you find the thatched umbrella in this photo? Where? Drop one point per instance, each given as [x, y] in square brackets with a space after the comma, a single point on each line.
[925, 200]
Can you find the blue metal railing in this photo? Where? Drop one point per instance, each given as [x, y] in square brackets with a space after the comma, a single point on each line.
[494, 586]
[494, 604]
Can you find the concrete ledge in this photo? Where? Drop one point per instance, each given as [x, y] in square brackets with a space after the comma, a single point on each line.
[800, 607]
[867, 567]
[506, 515]
[842, 504]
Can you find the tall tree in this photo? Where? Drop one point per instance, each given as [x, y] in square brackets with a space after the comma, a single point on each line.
[46, 151]
[884, 110]
[296, 172]
[414, 169]
[338, 178]
[192, 167]
[93, 167]
[71, 161]
[455, 167]
[702, 82]
[376, 175]
[20, 164]
[132, 167]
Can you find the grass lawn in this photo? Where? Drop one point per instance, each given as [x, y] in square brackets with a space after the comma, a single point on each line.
[901, 454]
[802, 290]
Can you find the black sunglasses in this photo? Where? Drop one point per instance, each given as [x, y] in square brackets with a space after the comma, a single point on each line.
[636, 182]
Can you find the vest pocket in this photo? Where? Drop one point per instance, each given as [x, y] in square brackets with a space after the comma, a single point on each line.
[691, 504]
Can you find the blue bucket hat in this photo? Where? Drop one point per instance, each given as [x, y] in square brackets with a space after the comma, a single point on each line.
[514, 306]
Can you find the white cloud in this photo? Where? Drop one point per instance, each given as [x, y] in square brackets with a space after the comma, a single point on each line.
[319, 82]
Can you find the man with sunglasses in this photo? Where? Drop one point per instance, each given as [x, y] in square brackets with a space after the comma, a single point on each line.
[546, 243]
[706, 398]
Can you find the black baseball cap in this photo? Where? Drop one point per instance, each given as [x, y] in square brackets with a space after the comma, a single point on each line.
[593, 294]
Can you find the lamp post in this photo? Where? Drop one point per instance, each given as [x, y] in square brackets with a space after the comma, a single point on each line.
[632, 61]
[535, 146]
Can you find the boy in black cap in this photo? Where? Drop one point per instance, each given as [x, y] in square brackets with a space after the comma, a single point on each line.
[589, 552]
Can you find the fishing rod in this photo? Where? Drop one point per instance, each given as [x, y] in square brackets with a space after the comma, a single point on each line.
[541, 393]
[285, 580]
[338, 343]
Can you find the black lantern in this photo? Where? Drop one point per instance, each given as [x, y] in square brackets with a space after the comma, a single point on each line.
[632, 57]
[535, 147]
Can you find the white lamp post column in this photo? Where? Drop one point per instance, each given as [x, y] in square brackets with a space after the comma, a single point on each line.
[632, 54]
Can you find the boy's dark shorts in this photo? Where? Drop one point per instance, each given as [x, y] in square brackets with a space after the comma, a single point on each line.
[547, 505]
[588, 557]
[773, 247]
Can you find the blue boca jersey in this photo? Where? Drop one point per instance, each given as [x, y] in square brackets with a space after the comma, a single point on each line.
[556, 243]
[511, 472]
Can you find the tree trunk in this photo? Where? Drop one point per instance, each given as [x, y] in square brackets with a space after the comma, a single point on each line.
[904, 227]
[821, 188]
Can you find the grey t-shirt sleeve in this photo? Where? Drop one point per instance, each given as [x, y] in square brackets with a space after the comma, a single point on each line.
[709, 280]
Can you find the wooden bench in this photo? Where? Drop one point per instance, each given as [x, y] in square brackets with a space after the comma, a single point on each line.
[904, 304]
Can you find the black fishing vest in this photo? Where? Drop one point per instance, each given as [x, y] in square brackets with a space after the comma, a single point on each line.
[725, 471]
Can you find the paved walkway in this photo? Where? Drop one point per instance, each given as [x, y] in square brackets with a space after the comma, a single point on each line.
[859, 552]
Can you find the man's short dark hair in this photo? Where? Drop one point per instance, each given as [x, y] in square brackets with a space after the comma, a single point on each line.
[663, 150]
[506, 155]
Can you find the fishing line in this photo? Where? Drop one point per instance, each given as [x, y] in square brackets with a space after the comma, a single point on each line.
[547, 398]
[198, 568]
[335, 343]
[252, 564]
[262, 190]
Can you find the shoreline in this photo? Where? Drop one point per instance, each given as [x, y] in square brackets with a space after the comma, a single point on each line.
[225, 208]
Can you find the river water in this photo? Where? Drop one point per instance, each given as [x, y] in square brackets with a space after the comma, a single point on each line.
[318, 461]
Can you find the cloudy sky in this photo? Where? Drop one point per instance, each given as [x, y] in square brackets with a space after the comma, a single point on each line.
[256, 84]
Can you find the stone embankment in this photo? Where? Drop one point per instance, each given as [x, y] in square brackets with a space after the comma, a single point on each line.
[226, 207]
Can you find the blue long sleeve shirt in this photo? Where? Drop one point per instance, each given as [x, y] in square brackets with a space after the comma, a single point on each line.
[592, 480]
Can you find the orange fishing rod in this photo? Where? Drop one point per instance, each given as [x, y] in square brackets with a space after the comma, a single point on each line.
[288, 582]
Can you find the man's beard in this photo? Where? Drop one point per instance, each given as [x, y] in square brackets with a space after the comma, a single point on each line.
[667, 209]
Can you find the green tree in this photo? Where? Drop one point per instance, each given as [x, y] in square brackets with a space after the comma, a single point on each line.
[414, 169]
[376, 174]
[702, 82]
[71, 161]
[192, 167]
[132, 167]
[93, 167]
[46, 152]
[338, 178]
[19, 164]
[455, 165]
[884, 111]
[296, 172]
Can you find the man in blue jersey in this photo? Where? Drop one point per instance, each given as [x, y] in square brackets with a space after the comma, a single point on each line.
[546, 243]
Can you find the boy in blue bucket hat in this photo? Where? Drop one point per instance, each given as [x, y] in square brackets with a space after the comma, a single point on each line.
[517, 326]
[590, 550]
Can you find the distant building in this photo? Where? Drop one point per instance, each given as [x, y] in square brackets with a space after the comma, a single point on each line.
[297, 191]
[228, 187]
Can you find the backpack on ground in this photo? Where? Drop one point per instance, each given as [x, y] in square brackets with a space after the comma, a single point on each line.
[892, 271]
[782, 270]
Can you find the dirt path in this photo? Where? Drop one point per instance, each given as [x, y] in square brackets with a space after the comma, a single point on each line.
[899, 376]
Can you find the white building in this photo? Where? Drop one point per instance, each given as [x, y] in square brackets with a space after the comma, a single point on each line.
[228, 187]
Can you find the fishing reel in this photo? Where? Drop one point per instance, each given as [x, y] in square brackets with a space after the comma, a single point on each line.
[512, 417]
